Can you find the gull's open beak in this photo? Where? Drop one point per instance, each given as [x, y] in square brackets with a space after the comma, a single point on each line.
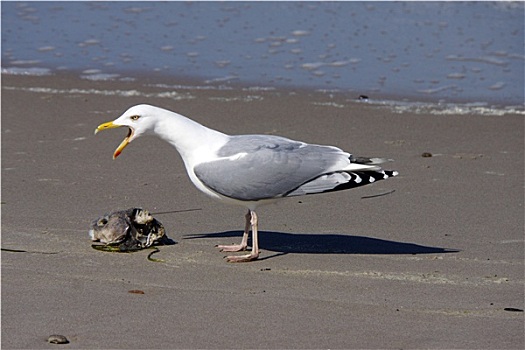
[123, 144]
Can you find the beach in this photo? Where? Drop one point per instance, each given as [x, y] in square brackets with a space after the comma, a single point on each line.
[433, 258]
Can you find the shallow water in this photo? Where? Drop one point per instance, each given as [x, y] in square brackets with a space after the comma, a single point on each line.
[432, 51]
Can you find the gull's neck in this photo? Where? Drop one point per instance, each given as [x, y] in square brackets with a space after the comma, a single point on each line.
[191, 139]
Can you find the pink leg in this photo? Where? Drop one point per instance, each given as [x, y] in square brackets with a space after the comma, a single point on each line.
[244, 242]
[255, 242]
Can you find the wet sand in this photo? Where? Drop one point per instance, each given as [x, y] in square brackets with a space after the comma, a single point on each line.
[433, 265]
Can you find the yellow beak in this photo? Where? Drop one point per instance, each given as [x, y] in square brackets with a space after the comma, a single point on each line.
[123, 144]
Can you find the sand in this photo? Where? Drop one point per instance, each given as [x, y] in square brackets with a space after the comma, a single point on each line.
[435, 264]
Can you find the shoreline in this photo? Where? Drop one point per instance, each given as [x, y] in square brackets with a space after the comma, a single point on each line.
[442, 256]
[411, 101]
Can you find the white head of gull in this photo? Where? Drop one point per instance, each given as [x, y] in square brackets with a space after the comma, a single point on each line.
[249, 170]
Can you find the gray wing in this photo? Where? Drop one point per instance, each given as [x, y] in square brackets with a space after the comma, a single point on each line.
[254, 167]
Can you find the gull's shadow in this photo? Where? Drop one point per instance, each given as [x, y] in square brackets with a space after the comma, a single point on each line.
[326, 243]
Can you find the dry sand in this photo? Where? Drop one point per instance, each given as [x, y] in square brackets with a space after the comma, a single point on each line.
[433, 265]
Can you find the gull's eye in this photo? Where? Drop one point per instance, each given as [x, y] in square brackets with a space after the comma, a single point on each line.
[135, 117]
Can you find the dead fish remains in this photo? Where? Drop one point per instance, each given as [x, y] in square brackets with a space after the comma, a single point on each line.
[128, 230]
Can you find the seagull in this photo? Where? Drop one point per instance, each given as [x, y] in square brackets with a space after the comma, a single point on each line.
[249, 170]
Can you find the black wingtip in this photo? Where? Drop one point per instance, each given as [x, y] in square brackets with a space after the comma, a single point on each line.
[362, 178]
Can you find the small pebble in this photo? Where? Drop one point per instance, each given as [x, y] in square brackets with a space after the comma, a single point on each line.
[57, 339]
[136, 291]
[512, 309]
